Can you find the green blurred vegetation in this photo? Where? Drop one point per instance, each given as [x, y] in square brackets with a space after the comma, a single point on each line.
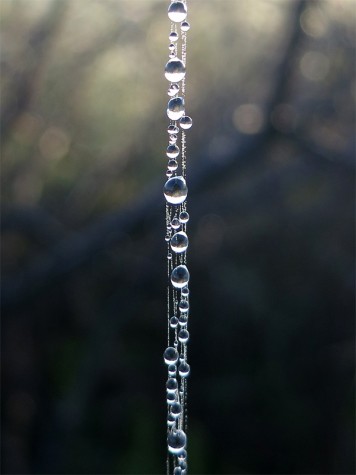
[271, 89]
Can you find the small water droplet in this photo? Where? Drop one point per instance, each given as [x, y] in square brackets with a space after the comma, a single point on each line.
[185, 26]
[186, 122]
[172, 369]
[183, 306]
[176, 409]
[175, 108]
[169, 256]
[170, 355]
[172, 55]
[183, 337]
[174, 70]
[173, 322]
[182, 464]
[175, 223]
[184, 217]
[184, 369]
[172, 165]
[180, 276]
[172, 129]
[172, 151]
[172, 385]
[182, 455]
[173, 90]
[179, 242]
[175, 190]
[177, 471]
[170, 420]
[173, 139]
[171, 398]
[183, 320]
[173, 36]
[167, 238]
[169, 174]
[185, 291]
[171, 47]
[177, 11]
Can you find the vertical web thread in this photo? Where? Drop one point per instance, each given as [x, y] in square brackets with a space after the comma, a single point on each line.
[177, 217]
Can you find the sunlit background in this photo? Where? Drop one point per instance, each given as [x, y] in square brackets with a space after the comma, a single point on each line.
[271, 89]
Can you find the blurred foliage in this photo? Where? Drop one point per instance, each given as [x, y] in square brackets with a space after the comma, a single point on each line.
[271, 89]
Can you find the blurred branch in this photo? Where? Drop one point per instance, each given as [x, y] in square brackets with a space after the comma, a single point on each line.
[24, 86]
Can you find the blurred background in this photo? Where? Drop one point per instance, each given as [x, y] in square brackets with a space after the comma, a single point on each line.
[271, 89]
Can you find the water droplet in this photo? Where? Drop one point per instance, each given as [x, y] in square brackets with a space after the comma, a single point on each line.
[179, 242]
[182, 455]
[169, 174]
[174, 70]
[185, 291]
[183, 320]
[173, 139]
[184, 217]
[186, 122]
[167, 238]
[177, 11]
[170, 355]
[180, 276]
[183, 337]
[172, 151]
[182, 464]
[173, 90]
[172, 165]
[172, 385]
[176, 441]
[172, 129]
[181, 357]
[183, 306]
[185, 26]
[173, 36]
[170, 420]
[184, 369]
[169, 256]
[175, 223]
[172, 369]
[175, 190]
[173, 322]
[175, 108]
[177, 471]
[172, 55]
[171, 47]
[176, 410]
[171, 398]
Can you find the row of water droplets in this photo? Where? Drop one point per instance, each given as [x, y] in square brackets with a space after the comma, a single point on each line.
[177, 217]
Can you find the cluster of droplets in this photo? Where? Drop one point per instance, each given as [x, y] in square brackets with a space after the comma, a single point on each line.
[175, 192]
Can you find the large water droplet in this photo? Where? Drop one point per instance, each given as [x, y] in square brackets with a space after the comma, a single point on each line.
[175, 190]
[184, 369]
[176, 441]
[177, 11]
[176, 410]
[180, 276]
[183, 337]
[186, 122]
[172, 385]
[175, 108]
[170, 355]
[179, 242]
[172, 151]
[174, 70]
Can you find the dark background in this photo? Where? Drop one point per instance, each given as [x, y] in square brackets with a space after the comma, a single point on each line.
[271, 89]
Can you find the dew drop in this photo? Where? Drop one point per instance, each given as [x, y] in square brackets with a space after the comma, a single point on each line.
[176, 409]
[183, 337]
[182, 464]
[170, 420]
[175, 190]
[172, 370]
[173, 139]
[171, 47]
[173, 322]
[175, 223]
[186, 122]
[169, 256]
[182, 455]
[185, 291]
[174, 70]
[184, 369]
[183, 306]
[172, 166]
[180, 276]
[183, 320]
[169, 174]
[173, 90]
[176, 441]
[172, 151]
[171, 398]
[175, 108]
[185, 26]
[167, 238]
[172, 385]
[172, 129]
[184, 217]
[177, 11]
[179, 242]
[172, 55]
[170, 355]
[177, 471]
[173, 36]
